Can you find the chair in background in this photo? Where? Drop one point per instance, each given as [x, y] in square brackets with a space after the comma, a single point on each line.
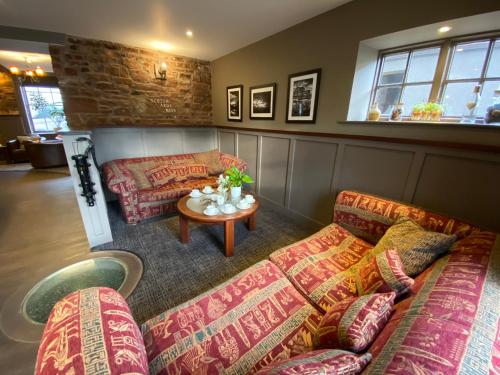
[46, 154]
[16, 152]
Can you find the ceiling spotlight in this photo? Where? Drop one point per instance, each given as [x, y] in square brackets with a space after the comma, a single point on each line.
[189, 33]
[444, 29]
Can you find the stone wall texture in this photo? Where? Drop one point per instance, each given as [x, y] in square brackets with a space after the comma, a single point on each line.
[8, 102]
[106, 84]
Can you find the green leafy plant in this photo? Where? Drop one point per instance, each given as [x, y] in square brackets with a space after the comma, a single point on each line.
[237, 178]
[418, 107]
[433, 107]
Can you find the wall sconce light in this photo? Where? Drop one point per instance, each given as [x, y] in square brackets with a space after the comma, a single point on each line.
[161, 72]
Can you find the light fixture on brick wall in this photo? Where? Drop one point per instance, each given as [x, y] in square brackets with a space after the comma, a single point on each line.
[161, 72]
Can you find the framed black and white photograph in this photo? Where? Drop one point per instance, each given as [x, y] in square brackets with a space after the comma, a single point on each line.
[303, 92]
[234, 103]
[262, 102]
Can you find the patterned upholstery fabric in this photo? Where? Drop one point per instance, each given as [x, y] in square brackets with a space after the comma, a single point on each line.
[317, 362]
[450, 325]
[160, 175]
[91, 332]
[417, 247]
[246, 323]
[319, 265]
[188, 171]
[368, 216]
[382, 273]
[354, 323]
[212, 160]
[121, 181]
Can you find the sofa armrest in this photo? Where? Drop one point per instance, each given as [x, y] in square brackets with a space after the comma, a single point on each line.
[91, 331]
[118, 178]
[229, 160]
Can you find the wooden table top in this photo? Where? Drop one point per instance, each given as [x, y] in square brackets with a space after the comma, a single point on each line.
[200, 217]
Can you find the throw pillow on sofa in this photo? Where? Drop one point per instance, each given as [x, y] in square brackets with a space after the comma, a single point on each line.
[137, 171]
[187, 171]
[212, 160]
[325, 361]
[353, 324]
[382, 273]
[417, 247]
[159, 176]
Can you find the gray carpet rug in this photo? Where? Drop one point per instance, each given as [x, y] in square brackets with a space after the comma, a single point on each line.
[176, 272]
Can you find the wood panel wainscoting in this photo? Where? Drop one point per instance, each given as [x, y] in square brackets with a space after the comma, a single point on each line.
[303, 172]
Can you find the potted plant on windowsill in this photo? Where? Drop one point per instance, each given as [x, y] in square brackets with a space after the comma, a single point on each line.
[236, 179]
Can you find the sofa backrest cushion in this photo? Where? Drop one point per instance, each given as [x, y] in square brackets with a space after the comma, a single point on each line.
[319, 362]
[368, 216]
[91, 331]
[417, 247]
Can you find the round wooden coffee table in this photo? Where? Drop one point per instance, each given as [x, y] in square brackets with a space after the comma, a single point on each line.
[192, 209]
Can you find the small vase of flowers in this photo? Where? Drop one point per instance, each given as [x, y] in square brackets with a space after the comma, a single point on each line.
[234, 180]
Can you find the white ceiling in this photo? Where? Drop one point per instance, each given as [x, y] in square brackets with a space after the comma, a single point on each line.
[219, 26]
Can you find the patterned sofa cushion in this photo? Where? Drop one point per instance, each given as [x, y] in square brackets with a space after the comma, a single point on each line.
[382, 273]
[91, 332]
[212, 160]
[236, 328]
[319, 266]
[317, 362]
[417, 247]
[159, 175]
[354, 323]
[368, 216]
[451, 323]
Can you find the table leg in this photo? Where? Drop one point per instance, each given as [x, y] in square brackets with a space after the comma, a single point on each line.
[229, 237]
[184, 228]
[252, 221]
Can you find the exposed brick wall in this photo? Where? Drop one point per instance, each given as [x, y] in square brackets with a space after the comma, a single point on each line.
[108, 84]
[8, 102]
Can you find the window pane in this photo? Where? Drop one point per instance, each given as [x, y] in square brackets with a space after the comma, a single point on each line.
[386, 97]
[414, 94]
[44, 103]
[423, 65]
[494, 66]
[455, 97]
[487, 97]
[468, 60]
[393, 68]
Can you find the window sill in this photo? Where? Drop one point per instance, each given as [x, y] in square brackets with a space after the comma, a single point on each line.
[442, 124]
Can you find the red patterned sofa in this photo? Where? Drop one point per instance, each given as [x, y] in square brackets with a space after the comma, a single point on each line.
[447, 324]
[141, 203]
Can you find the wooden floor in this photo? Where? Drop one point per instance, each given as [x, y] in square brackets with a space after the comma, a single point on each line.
[39, 223]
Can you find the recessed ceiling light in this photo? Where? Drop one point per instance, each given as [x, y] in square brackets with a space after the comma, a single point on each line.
[163, 46]
[444, 29]
[189, 33]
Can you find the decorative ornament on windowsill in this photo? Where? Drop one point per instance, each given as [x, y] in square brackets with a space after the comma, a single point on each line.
[233, 180]
[471, 104]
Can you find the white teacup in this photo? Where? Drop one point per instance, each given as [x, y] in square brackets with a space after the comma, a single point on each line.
[228, 207]
[208, 190]
[249, 198]
[211, 209]
[244, 204]
[195, 193]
